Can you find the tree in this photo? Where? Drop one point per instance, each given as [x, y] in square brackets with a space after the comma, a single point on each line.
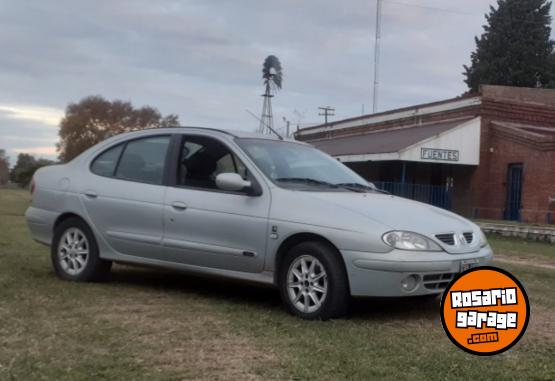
[3, 158]
[4, 167]
[94, 119]
[515, 48]
[25, 168]
[551, 76]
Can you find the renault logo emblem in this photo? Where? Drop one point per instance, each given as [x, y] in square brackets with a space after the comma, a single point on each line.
[462, 240]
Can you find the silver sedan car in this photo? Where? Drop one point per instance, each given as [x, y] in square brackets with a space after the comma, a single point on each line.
[250, 207]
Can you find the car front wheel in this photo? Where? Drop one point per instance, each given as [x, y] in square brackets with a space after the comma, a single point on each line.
[313, 282]
[74, 253]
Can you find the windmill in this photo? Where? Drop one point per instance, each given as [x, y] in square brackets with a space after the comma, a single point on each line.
[272, 76]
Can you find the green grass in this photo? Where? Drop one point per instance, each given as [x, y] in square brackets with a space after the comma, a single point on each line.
[150, 324]
[507, 222]
[517, 247]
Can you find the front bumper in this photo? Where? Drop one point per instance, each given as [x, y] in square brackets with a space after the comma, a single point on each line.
[383, 274]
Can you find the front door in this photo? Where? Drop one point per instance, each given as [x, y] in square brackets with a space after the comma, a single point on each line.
[514, 192]
[205, 226]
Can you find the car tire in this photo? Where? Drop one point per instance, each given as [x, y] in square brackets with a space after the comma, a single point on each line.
[74, 253]
[317, 292]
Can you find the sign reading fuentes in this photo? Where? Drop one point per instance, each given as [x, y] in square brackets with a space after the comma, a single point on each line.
[439, 154]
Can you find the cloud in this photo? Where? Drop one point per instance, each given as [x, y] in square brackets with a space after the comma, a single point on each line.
[47, 151]
[45, 115]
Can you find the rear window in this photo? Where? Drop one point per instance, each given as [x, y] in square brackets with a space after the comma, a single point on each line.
[105, 164]
[143, 160]
[139, 160]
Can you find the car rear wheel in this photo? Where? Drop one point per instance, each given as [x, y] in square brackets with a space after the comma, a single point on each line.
[313, 282]
[74, 253]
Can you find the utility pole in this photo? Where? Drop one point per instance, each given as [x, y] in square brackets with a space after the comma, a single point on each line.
[287, 125]
[327, 111]
[377, 55]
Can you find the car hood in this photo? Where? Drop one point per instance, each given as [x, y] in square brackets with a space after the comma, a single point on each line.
[403, 214]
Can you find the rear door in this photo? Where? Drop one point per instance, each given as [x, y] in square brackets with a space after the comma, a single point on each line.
[124, 196]
[205, 226]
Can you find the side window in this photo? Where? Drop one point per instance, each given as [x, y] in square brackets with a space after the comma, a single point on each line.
[226, 164]
[202, 159]
[231, 163]
[143, 160]
[190, 148]
[105, 163]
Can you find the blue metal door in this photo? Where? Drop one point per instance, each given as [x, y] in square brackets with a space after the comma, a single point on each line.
[514, 192]
[437, 195]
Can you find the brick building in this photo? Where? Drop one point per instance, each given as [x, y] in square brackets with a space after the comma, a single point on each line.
[486, 156]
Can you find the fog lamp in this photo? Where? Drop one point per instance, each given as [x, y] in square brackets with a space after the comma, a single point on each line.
[409, 283]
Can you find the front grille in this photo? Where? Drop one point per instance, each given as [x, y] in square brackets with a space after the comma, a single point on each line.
[469, 237]
[437, 281]
[448, 238]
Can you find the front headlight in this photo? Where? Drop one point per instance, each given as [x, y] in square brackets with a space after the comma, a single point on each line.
[410, 241]
[483, 239]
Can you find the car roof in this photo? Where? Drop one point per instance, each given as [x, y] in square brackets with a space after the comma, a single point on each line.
[214, 132]
[209, 131]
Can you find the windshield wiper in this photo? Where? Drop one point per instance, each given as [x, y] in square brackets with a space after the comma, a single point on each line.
[306, 180]
[357, 187]
[353, 187]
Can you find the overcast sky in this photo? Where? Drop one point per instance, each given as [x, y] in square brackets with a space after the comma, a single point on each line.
[201, 59]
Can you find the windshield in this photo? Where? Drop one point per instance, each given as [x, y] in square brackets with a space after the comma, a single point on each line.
[293, 165]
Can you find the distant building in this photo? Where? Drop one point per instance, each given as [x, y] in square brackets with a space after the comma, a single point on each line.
[4, 173]
[487, 156]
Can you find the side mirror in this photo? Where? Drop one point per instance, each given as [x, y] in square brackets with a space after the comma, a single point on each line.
[232, 182]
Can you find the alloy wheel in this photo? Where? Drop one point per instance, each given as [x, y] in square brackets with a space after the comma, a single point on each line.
[73, 251]
[307, 283]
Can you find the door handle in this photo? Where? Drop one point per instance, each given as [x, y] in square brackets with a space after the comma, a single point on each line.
[178, 205]
[91, 194]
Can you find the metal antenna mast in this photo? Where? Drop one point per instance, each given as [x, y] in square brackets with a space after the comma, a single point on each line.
[377, 55]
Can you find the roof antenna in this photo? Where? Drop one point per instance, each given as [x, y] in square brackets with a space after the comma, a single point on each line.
[265, 124]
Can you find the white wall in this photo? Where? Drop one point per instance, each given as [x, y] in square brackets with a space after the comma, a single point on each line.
[464, 138]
